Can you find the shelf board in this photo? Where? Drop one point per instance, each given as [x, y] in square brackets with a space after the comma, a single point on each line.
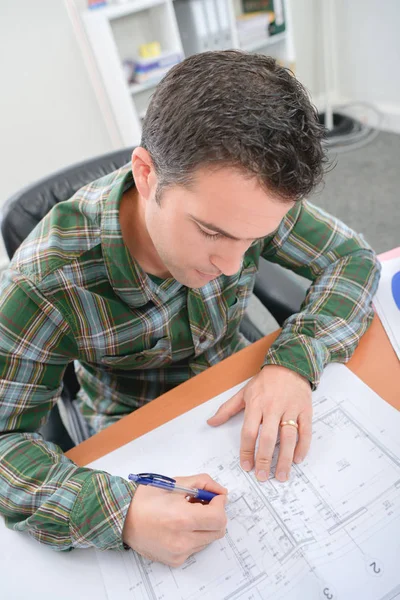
[115, 11]
[263, 42]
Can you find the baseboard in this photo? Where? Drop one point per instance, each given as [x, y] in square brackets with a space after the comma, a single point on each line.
[391, 117]
[366, 111]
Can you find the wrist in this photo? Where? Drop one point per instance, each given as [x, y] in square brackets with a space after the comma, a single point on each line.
[287, 371]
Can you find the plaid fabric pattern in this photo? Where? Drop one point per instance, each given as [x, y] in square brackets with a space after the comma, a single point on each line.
[73, 293]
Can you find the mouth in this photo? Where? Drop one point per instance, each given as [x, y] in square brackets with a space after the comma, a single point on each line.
[208, 276]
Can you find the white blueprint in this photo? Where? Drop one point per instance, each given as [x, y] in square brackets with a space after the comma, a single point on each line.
[332, 532]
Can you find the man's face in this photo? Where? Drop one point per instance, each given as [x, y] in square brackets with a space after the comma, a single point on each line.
[203, 232]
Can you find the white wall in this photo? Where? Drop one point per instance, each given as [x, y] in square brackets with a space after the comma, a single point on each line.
[49, 115]
[368, 56]
[368, 49]
[306, 24]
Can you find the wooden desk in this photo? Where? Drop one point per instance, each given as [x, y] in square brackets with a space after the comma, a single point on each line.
[374, 361]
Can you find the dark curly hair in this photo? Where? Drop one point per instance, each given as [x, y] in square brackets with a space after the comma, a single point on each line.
[232, 108]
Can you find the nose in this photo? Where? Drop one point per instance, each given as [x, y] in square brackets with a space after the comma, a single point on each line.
[228, 265]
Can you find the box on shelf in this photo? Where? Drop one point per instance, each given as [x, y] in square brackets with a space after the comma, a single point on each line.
[147, 69]
[144, 70]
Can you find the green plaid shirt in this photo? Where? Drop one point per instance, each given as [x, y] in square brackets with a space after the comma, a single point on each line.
[73, 293]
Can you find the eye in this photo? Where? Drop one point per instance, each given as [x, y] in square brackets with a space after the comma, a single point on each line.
[210, 236]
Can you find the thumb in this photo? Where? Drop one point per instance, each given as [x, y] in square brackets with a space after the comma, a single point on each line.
[228, 409]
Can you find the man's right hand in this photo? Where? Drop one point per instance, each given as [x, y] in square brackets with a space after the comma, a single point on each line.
[164, 526]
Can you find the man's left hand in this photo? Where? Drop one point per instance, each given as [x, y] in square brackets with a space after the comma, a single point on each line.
[275, 395]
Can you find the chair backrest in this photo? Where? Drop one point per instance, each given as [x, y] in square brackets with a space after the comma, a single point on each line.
[20, 215]
[23, 211]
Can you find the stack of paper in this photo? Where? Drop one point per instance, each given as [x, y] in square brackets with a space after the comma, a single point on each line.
[387, 301]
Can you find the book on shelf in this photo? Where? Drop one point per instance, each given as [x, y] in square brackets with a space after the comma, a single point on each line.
[275, 7]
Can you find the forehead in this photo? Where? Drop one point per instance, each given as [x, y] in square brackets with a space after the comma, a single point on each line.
[233, 201]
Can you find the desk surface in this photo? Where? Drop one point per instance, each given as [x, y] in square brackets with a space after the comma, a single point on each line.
[374, 361]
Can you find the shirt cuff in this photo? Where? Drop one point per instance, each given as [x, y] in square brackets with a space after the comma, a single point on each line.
[98, 515]
[302, 354]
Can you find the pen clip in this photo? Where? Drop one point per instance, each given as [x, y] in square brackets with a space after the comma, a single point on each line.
[155, 477]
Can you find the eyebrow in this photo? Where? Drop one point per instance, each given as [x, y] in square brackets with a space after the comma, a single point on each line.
[222, 232]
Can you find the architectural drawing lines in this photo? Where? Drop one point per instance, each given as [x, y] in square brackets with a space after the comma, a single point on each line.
[330, 532]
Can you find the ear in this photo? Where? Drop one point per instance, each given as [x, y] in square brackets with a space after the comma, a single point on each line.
[144, 173]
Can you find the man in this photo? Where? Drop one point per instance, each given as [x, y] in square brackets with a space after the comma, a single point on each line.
[143, 278]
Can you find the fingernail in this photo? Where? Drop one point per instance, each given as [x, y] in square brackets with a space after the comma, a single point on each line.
[246, 466]
[299, 459]
[282, 476]
[262, 475]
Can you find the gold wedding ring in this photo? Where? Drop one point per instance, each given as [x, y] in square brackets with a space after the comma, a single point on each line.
[289, 422]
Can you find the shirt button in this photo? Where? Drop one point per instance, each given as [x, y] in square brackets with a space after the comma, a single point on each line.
[202, 339]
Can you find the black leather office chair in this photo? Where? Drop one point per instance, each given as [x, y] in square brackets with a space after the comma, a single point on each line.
[277, 288]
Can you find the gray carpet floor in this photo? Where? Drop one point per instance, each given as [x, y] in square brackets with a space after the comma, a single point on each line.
[363, 190]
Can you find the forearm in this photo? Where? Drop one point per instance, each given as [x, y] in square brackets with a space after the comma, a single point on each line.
[336, 313]
[57, 502]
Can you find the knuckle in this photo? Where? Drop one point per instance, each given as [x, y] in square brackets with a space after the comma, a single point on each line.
[263, 461]
[246, 453]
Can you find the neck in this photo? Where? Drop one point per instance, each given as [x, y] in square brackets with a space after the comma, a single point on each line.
[136, 237]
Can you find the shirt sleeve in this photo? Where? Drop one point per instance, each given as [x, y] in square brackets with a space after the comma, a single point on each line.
[337, 310]
[42, 492]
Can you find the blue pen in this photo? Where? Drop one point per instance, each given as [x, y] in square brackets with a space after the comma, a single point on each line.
[167, 483]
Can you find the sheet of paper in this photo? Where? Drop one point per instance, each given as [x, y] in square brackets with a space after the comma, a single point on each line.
[332, 532]
[33, 571]
[387, 301]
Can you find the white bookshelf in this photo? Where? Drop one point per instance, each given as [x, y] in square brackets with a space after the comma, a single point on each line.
[114, 32]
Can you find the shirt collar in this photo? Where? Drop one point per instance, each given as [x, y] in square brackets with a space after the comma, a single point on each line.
[127, 278]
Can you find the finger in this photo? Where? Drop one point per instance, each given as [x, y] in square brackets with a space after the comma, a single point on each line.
[202, 481]
[209, 517]
[249, 435]
[266, 446]
[305, 435]
[228, 409]
[288, 441]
